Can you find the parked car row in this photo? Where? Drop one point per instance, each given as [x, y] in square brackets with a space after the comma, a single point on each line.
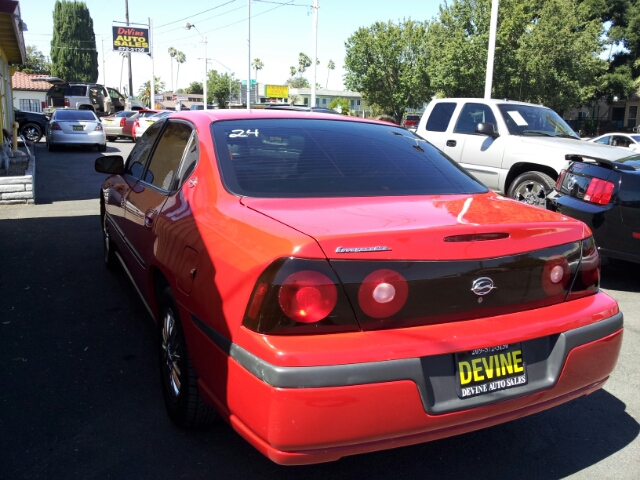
[310, 274]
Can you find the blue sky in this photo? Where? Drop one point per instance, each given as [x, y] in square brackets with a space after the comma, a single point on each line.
[278, 34]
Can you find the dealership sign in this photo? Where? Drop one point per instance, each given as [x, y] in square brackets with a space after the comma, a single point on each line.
[276, 91]
[130, 39]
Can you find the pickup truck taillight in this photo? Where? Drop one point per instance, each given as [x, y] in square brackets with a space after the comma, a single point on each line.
[599, 191]
[66, 102]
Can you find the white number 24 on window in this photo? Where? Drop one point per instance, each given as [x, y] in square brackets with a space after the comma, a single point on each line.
[243, 133]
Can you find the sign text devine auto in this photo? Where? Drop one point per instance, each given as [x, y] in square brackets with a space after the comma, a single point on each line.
[130, 39]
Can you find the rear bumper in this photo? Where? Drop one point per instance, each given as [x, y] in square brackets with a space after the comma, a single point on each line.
[302, 415]
[94, 138]
[113, 131]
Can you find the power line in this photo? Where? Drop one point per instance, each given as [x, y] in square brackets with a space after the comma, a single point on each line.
[196, 14]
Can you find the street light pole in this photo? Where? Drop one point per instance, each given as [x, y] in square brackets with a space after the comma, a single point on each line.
[249, 58]
[315, 52]
[189, 26]
[493, 27]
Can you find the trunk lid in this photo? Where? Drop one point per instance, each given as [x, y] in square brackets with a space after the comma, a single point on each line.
[420, 228]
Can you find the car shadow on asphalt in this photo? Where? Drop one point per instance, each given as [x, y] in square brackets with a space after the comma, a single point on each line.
[620, 276]
[82, 398]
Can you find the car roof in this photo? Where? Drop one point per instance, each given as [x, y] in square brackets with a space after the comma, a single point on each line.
[243, 114]
[495, 101]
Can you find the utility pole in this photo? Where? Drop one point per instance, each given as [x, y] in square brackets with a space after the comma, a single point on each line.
[126, 6]
[104, 71]
[493, 27]
[315, 52]
[152, 85]
[249, 58]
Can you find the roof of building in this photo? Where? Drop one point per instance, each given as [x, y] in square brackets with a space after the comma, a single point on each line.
[11, 28]
[27, 81]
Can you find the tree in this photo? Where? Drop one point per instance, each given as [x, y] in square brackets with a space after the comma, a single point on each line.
[180, 59]
[221, 87]
[344, 104]
[304, 62]
[330, 66]
[194, 87]
[387, 64]
[172, 53]
[257, 64]
[36, 62]
[298, 82]
[546, 52]
[144, 92]
[73, 48]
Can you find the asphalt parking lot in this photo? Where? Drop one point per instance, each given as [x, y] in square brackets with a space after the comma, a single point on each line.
[80, 389]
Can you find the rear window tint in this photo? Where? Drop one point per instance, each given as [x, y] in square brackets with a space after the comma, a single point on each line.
[286, 158]
[125, 113]
[75, 115]
[77, 91]
[440, 117]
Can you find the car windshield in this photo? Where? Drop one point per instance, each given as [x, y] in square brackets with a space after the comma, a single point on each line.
[632, 161]
[146, 113]
[294, 158]
[75, 115]
[636, 138]
[534, 120]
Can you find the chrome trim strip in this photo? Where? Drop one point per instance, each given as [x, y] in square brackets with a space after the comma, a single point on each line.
[430, 374]
[126, 270]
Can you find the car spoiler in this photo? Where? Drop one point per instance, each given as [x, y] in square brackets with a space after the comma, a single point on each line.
[601, 161]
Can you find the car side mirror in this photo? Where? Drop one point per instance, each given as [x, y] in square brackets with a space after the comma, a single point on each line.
[113, 164]
[487, 129]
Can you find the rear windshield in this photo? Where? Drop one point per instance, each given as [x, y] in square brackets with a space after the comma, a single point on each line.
[125, 113]
[75, 115]
[632, 161]
[286, 158]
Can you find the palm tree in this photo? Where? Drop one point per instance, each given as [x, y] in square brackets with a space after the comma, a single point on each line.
[180, 59]
[257, 65]
[172, 53]
[145, 90]
[330, 66]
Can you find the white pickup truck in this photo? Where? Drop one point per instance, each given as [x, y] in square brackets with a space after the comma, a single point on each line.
[515, 148]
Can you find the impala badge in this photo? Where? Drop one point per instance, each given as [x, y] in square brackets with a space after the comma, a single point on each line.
[377, 248]
[482, 286]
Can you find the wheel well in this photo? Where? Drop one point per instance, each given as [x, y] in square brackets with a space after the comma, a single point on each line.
[520, 168]
[160, 282]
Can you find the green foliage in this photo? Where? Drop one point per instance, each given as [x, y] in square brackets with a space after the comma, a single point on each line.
[194, 87]
[330, 66]
[145, 90]
[387, 64]
[73, 47]
[546, 52]
[221, 87]
[36, 62]
[299, 82]
[343, 103]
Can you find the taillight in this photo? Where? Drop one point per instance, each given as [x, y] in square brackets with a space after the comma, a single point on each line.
[560, 180]
[299, 296]
[66, 102]
[55, 126]
[383, 293]
[98, 127]
[136, 123]
[599, 191]
[587, 280]
[123, 122]
[556, 275]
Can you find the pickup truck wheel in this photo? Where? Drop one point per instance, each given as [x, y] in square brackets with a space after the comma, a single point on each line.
[531, 188]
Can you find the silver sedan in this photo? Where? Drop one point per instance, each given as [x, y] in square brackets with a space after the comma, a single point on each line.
[75, 127]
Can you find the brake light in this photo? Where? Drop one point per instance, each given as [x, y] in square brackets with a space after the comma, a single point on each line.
[299, 296]
[98, 127]
[55, 126]
[136, 123]
[587, 280]
[123, 122]
[66, 102]
[599, 191]
[383, 293]
[560, 180]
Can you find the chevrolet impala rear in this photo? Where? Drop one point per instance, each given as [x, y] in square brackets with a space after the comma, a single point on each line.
[362, 292]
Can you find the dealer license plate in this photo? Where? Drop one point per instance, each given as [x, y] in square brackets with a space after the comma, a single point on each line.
[491, 369]
[78, 127]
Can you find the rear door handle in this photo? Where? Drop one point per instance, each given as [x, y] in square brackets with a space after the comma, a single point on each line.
[451, 143]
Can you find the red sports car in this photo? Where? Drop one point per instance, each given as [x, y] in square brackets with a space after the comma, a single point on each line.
[332, 286]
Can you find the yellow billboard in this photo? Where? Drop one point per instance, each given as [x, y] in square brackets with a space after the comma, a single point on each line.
[276, 91]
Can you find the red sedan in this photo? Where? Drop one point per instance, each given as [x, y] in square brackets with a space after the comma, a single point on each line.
[332, 286]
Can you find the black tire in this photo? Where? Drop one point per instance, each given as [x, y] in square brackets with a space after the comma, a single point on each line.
[31, 131]
[109, 255]
[532, 188]
[179, 380]
[102, 148]
[111, 139]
